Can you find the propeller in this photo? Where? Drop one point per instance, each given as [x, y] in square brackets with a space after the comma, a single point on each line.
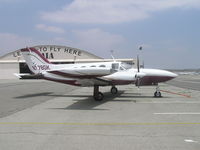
[139, 75]
[137, 83]
[138, 63]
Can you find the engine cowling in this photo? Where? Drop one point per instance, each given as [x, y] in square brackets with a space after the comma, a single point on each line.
[138, 77]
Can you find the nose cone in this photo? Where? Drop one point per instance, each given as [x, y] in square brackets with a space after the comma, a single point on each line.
[168, 75]
[172, 75]
[164, 75]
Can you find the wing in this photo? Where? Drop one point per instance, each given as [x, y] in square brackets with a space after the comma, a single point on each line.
[81, 73]
[94, 81]
[28, 76]
[83, 76]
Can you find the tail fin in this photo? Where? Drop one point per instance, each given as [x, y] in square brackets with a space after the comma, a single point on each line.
[36, 62]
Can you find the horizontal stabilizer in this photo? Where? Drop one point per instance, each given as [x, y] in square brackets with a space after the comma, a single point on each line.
[28, 76]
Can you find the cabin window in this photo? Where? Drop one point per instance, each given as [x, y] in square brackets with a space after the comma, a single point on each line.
[126, 65]
[102, 66]
[93, 66]
[83, 66]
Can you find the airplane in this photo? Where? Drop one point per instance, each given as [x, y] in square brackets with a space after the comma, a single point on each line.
[94, 74]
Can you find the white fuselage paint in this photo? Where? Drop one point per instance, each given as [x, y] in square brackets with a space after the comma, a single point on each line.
[89, 74]
[121, 75]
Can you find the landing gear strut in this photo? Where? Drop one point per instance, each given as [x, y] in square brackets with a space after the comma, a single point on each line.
[114, 90]
[98, 96]
[157, 93]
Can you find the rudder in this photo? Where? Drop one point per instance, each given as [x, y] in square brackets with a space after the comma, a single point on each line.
[36, 62]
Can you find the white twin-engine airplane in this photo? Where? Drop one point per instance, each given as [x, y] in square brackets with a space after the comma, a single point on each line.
[94, 74]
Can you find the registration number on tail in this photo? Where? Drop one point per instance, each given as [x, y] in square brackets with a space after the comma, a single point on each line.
[41, 67]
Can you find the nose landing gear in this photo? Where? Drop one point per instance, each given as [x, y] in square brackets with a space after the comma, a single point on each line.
[157, 93]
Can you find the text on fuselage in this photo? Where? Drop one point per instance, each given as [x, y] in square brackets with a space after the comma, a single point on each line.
[41, 67]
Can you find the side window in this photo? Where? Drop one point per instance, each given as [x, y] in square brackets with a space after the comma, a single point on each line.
[102, 66]
[93, 66]
[115, 67]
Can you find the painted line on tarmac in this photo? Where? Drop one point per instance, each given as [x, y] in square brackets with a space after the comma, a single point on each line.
[172, 102]
[190, 141]
[99, 124]
[196, 82]
[184, 95]
[178, 113]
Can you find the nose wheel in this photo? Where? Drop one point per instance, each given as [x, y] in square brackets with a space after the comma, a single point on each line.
[157, 93]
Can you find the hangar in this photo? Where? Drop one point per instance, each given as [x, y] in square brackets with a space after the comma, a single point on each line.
[14, 63]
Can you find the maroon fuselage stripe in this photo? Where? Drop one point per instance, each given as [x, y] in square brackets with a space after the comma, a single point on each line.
[115, 82]
[73, 75]
[37, 52]
[122, 82]
[150, 80]
[71, 82]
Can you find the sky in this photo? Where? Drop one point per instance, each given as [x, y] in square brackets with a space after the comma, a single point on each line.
[168, 30]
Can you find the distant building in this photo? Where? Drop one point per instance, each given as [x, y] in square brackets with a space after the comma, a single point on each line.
[14, 62]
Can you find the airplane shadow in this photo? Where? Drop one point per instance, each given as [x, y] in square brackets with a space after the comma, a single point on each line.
[142, 96]
[86, 102]
[34, 95]
[89, 103]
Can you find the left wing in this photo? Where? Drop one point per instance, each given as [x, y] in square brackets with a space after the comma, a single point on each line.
[94, 81]
[81, 73]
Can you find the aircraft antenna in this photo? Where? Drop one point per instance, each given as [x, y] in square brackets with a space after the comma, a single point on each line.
[112, 52]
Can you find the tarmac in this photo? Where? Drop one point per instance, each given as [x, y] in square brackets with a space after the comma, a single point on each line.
[39, 115]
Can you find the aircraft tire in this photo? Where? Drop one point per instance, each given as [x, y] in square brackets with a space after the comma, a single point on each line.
[157, 94]
[99, 96]
[114, 90]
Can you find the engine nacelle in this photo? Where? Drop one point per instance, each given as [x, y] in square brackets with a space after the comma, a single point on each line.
[139, 75]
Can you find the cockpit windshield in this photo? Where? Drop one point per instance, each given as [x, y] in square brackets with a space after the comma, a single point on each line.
[117, 66]
[125, 66]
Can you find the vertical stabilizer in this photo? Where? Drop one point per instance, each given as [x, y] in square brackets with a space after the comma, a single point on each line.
[36, 62]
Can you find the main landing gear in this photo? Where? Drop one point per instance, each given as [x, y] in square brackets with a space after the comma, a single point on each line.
[98, 96]
[157, 92]
[114, 90]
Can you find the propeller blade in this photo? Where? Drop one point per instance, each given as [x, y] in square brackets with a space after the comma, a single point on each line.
[139, 78]
[138, 82]
[138, 64]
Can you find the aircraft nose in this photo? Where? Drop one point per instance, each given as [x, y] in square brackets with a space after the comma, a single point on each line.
[173, 75]
[170, 75]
